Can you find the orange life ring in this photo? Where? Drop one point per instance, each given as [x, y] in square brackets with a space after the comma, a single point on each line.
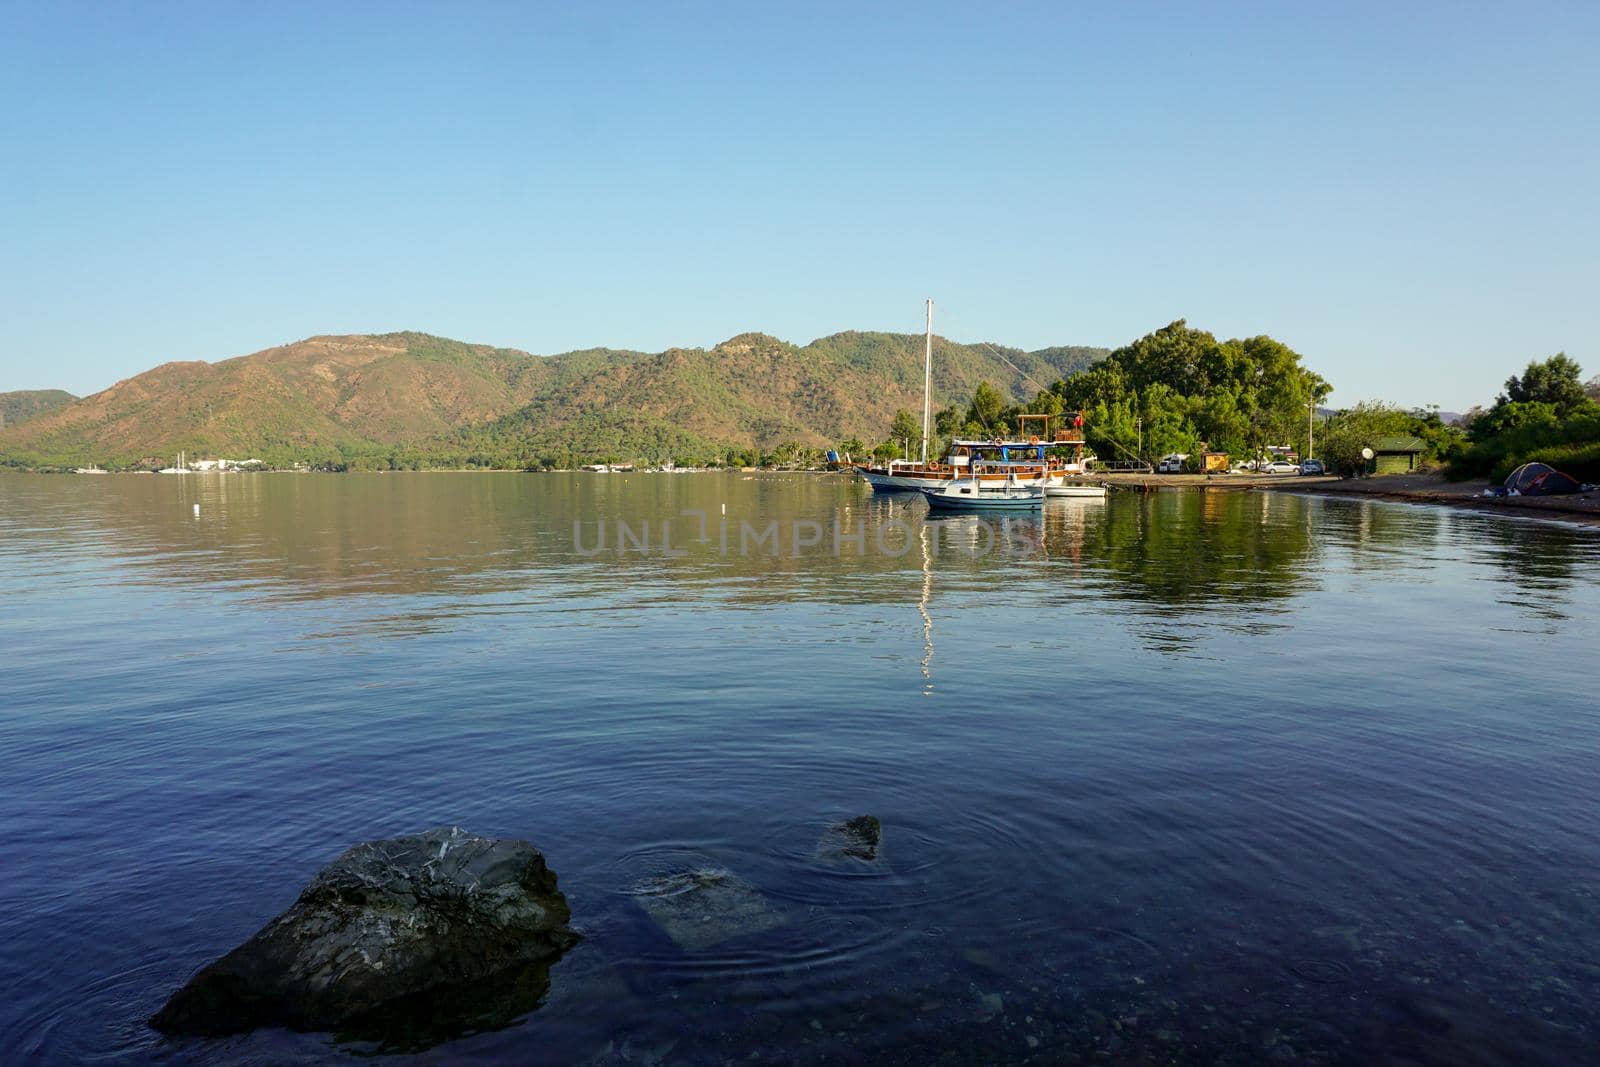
[1034, 439]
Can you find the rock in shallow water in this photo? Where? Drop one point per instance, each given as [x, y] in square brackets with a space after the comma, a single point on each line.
[443, 928]
[702, 908]
[857, 838]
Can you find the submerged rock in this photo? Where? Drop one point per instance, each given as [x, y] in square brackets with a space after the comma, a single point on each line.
[705, 907]
[857, 838]
[402, 941]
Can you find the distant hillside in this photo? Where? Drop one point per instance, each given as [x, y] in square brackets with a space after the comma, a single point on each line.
[18, 407]
[302, 400]
[423, 400]
[757, 391]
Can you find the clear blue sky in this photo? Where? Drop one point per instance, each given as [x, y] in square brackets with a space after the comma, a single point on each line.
[1405, 193]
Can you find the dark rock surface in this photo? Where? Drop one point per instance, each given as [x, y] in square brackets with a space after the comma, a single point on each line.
[705, 907]
[435, 932]
[857, 838]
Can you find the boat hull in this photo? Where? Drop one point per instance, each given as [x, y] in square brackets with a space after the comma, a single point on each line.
[892, 483]
[884, 482]
[984, 502]
[1082, 491]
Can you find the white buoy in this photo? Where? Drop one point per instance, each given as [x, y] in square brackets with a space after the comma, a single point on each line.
[197, 511]
[724, 509]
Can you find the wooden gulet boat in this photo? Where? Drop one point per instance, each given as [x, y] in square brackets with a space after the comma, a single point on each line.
[998, 461]
[1033, 458]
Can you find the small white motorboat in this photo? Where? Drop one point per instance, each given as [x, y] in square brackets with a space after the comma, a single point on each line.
[969, 494]
[1075, 489]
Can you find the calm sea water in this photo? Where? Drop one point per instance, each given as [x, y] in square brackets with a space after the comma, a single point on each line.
[1231, 777]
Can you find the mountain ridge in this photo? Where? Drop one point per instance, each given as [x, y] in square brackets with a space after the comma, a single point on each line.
[21, 405]
[418, 399]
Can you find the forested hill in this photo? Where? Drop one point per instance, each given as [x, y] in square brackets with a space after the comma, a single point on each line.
[411, 399]
[18, 407]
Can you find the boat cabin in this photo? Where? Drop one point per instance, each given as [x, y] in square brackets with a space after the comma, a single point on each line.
[997, 453]
[1027, 457]
[1028, 449]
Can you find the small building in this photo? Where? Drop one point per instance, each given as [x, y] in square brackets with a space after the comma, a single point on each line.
[1214, 462]
[1396, 455]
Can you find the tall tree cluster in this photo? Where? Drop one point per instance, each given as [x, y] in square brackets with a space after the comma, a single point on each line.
[1178, 389]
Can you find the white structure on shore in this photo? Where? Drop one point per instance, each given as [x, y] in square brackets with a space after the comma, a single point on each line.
[186, 466]
[226, 465]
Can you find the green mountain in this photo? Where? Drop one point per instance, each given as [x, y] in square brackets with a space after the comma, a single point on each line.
[755, 391]
[411, 399]
[18, 407]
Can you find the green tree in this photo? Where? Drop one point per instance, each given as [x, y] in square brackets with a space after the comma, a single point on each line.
[1044, 402]
[907, 430]
[1103, 383]
[1557, 381]
[948, 421]
[1185, 387]
[1543, 415]
[987, 403]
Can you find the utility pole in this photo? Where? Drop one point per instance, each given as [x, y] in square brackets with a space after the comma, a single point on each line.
[927, 382]
[1139, 422]
[1311, 407]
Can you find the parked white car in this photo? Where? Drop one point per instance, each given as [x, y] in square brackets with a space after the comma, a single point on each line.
[1279, 466]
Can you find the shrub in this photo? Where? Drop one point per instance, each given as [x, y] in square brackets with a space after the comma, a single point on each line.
[1571, 439]
[1582, 461]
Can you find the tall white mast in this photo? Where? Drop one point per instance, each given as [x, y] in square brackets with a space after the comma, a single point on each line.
[927, 382]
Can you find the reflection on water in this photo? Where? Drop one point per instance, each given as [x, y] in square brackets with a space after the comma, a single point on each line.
[1222, 776]
[924, 598]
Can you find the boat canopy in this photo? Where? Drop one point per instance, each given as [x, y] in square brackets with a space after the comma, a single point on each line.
[1009, 451]
[997, 442]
